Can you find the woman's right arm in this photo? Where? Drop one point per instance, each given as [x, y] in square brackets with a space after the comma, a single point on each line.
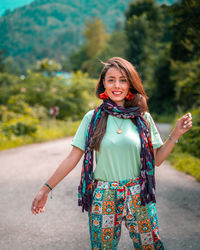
[63, 170]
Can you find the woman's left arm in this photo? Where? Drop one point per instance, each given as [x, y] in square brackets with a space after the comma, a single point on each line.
[182, 126]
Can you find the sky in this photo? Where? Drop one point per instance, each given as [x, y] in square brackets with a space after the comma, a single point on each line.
[12, 4]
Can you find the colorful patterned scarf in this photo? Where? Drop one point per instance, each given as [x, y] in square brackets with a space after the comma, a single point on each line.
[146, 155]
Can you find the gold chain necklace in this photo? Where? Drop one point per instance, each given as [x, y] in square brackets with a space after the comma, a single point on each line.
[119, 131]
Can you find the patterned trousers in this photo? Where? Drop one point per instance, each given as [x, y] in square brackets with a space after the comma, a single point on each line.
[114, 202]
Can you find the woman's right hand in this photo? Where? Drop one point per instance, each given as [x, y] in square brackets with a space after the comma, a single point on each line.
[38, 204]
[63, 169]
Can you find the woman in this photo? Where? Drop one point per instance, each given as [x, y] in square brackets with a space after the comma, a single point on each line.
[127, 146]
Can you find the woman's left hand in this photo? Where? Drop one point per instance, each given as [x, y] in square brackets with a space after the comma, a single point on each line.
[183, 124]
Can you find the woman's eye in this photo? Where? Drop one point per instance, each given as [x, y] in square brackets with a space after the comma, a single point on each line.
[123, 80]
[110, 80]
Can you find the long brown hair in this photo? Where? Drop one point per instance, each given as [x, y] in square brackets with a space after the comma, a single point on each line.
[136, 87]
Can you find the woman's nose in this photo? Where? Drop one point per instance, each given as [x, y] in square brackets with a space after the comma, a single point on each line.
[117, 84]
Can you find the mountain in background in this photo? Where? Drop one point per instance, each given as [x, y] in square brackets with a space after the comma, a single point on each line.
[12, 4]
[53, 28]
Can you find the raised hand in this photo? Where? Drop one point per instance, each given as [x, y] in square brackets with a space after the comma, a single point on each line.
[183, 124]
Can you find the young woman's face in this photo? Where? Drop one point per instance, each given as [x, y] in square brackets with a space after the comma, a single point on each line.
[116, 85]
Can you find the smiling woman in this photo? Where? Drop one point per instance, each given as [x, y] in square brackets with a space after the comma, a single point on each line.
[128, 146]
[116, 85]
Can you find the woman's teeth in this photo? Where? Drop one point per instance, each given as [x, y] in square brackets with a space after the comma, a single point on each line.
[117, 93]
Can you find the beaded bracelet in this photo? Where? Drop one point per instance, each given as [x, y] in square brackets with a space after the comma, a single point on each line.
[46, 184]
[171, 139]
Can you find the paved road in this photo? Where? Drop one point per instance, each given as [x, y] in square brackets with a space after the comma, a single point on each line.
[23, 170]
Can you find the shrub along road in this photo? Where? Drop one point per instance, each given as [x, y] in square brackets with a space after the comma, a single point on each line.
[63, 226]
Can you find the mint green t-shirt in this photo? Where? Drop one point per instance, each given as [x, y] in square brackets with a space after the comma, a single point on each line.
[119, 155]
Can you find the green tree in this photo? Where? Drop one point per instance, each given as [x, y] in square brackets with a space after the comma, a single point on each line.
[185, 30]
[96, 37]
[96, 40]
[11, 66]
[187, 78]
[116, 45]
[87, 57]
[148, 49]
[185, 53]
[144, 29]
[162, 93]
[78, 58]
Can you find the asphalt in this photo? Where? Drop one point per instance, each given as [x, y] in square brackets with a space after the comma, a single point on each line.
[63, 226]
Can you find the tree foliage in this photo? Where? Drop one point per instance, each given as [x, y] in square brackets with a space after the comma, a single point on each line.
[148, 49]
[53, 29]
[187, 78]
[96, 37]
[185, 28]
[99, 47]
[21, 95]
[185, 53]
[96, 40]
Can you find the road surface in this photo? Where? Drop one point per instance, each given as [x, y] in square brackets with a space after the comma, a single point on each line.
[63, 226]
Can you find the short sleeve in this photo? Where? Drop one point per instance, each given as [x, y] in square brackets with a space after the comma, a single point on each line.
[155, 135]
[80, 136]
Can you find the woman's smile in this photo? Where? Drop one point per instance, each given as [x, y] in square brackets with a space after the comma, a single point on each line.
[116, 93]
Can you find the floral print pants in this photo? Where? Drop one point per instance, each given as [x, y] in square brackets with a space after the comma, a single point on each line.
[114, 202]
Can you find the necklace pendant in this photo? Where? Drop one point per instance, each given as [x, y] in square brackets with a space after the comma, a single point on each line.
[119, 131]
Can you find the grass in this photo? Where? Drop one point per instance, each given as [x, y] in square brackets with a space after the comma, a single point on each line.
[186, 163]
[48, 130]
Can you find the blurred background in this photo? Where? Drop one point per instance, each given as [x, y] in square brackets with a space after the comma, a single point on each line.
[50, 53]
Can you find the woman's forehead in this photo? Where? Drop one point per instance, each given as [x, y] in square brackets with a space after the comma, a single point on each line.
[114, 72]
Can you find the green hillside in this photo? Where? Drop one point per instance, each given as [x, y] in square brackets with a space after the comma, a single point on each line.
[12, 4]
[53, 28]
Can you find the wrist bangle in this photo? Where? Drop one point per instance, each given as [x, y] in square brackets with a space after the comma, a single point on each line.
[171, 139]
[48, 186]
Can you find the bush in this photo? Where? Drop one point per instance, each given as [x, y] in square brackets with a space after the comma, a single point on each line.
[17, 104]
[19, 129]
[24, 125]
[186, 163]
[6, 115]
[48, 130]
